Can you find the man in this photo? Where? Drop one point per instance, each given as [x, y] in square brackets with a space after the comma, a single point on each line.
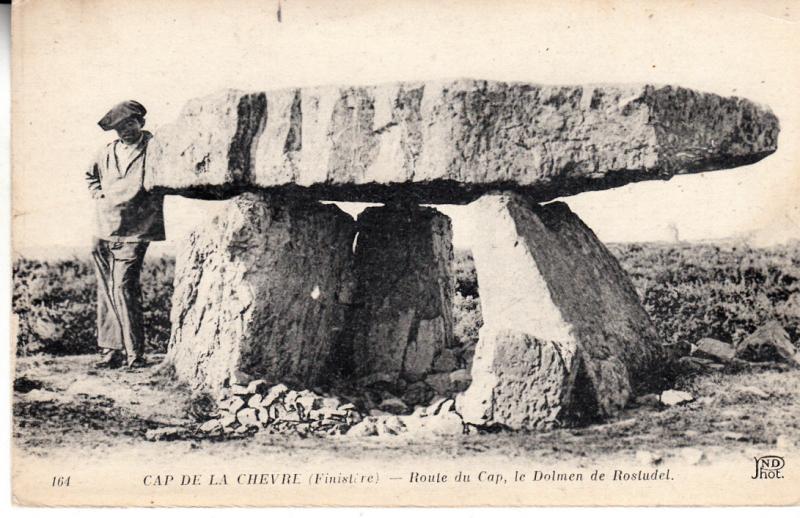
[128, 218]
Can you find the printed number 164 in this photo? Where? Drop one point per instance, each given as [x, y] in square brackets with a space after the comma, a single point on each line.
[60, 481]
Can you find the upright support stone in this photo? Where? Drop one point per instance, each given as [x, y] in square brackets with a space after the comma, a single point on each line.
[405, 290]
[564, 334]
[261, 290]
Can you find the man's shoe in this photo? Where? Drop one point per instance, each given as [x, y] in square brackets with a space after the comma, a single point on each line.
[112, 359]
[137, 363]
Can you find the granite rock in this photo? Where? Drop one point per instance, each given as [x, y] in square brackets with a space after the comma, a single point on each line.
[262, 288]
[551, 350]
[404, 292]
[451, 141]
[716, 350]
[768, 343]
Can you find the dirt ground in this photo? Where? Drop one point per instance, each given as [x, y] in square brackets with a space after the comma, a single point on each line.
[64, 405]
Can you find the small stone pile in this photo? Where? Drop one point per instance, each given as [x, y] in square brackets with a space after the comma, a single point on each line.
[257, 407]
[278, 409]
[387, 393]
[438, 418]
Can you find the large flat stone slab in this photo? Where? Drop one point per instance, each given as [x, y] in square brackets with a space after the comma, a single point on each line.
[564, 336]
[449, 142]
[261, 290]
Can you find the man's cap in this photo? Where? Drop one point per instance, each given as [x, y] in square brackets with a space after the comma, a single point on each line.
[121, 112]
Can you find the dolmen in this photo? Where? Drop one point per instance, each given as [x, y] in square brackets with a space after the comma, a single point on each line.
[277, 285]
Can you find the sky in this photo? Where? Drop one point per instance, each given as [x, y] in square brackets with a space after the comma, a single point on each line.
[74, 60]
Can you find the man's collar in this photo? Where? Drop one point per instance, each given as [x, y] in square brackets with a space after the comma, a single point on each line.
[143, 137]
[133, 144]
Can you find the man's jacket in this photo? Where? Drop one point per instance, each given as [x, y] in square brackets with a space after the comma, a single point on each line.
[125, 210]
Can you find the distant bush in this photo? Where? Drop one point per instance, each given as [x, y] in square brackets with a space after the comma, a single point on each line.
[56, 304]
[467, 319]
[692, 291]
[466, 279]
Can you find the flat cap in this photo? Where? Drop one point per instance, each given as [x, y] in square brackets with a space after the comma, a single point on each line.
[120, 112]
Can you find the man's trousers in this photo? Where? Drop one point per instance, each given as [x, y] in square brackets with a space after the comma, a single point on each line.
[119, 296]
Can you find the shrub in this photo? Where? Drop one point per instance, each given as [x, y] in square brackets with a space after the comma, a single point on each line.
[467, 319]
[466, 278]
[56, 304]
[708, 290]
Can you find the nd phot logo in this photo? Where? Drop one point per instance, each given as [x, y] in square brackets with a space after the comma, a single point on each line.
[769, 467]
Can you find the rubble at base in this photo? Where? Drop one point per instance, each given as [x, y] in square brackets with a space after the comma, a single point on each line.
[260, 408]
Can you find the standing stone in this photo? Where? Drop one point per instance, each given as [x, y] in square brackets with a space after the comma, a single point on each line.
[564, 336]
[404, 294]
[261, 291]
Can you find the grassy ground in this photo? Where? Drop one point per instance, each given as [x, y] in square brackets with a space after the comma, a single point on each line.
[77, 407]
[61, 403]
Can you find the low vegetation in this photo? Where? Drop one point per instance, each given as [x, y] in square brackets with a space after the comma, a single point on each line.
[55, 303]
[690, 291]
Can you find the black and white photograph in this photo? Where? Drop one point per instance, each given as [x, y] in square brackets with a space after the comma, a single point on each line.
[350, 253]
